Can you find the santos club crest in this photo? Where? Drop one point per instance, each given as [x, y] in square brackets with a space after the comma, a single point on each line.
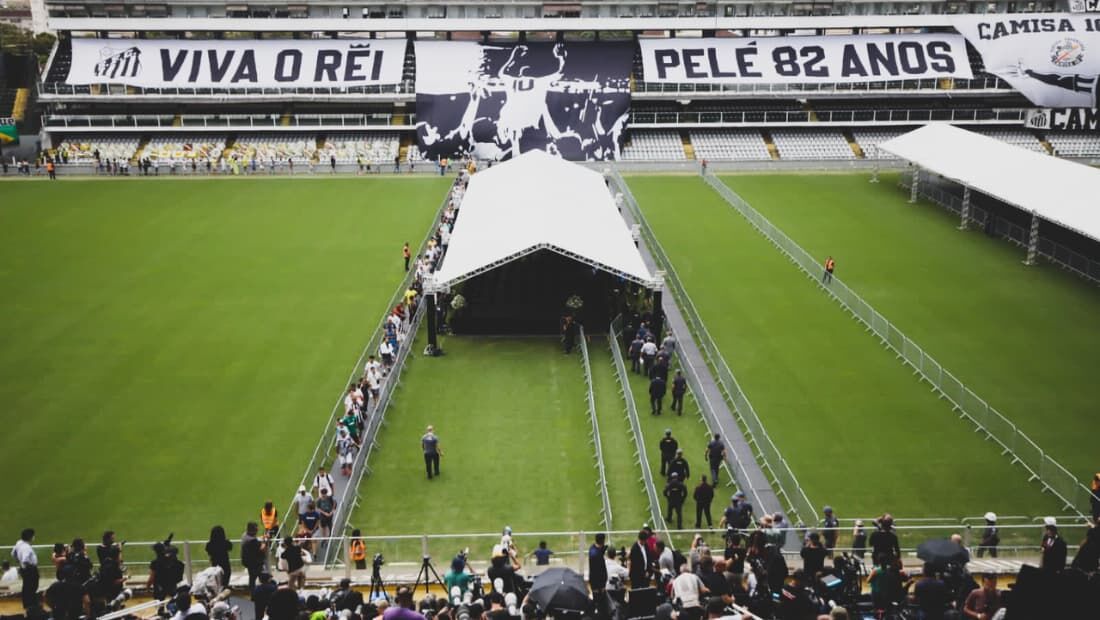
[1067, 52]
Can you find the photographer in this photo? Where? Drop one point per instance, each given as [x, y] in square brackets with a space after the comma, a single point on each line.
[457, 577]
[111, 576]
[688, 591]
[503, 566]
[67, 597]
[165, 571]
[346, 598]
[796, 600]
[79, 561]
[884, 540]
[813, 556]
[107, 543]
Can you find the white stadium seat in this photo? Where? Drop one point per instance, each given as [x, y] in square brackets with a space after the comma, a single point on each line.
[280, 147]
[81, 149]
[1070, 144]
[1016, 137]
[185, 148]
[869, 139]
[809, 144]
[376, 148]
[729, 144]
[653, 145]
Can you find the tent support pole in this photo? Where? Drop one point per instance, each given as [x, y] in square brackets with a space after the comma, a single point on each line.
[914, 187]
[1033, 240]
[965, 208]
[658, 322]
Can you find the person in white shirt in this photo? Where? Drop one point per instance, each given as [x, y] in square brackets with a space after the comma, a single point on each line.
[10, 573]
[649, 351]
[303, 499]
[689, 589]
[28, 567]
[616, 572]
[323, 480]
[386, 351]
[372, 364]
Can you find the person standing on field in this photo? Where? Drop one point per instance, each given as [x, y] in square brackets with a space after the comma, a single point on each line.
[27, 563]
[668, 447]
[679, 388]
[430, 444]
[703, 496]
[406, 254]
[716, 453]
[830, 265]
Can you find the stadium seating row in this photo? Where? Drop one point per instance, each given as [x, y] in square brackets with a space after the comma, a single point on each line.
[642, 145]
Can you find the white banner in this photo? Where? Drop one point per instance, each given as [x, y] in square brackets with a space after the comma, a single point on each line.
[1064, 119]
[1052, 59]
[768, 60]
[237, 64]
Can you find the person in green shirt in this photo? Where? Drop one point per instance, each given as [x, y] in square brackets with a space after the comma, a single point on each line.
[457, 577]
[352, 425]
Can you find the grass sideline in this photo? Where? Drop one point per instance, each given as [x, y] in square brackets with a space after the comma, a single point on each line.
[858, 430]
[513, 425]
[171, 351]
[966, 298]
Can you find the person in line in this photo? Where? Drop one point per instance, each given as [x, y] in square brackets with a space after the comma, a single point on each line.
[649, 353]
[657, 389]
[679, 388]
[323, 481]
[679, 466]
[675, 492]
[716, 455]
[634, 351]
[703, 496]
[1053, 547]
[25, 557]
[217, 549]
[430, 445]
[668, 447]
[830, 265]
[406, 253]
[253, 553]
[302, 501]
[326, 506]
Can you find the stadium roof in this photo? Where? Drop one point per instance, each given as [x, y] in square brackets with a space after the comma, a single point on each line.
[539, 202]
[1059, 191]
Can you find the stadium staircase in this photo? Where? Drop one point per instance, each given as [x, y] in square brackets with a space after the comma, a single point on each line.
[177, 121]
[1047, 146]
[689, 148]
[856, 148]
[19, 105]
[140, 150]
[284, 120]
[810, 113]
[770, 144]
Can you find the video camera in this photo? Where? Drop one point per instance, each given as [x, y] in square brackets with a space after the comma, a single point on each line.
[165, 546]
[378, 561]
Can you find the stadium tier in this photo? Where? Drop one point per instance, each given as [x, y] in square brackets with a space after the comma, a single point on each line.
[653, 145]
[732, 144]
[801, 144]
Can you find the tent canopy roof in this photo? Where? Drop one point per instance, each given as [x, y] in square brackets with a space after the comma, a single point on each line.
[1057, 190]
[539, 202]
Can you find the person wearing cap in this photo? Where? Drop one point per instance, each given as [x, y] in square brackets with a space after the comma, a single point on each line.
[1053, 548]
[829, 531]
[668, 447]
[703, 496]
[738, 514]
[859, 540]
[990, 538]
[429, 443]
[679, 466]
[302, 500]
[457, 577]
[675, 492]
[503, 566]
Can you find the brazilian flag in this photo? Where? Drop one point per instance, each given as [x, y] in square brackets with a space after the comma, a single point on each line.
[8, 133]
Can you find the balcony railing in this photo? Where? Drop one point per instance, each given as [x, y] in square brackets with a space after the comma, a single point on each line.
[980, 83]
[225, 121]
[833, 117]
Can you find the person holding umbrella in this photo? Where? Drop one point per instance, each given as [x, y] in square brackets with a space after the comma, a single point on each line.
[560, 590]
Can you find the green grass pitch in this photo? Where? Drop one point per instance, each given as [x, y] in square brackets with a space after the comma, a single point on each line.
[1024, 338]
[514, 428]
[171, 348]
[857, 428]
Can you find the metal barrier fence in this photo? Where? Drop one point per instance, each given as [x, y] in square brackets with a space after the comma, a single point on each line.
[1013, 442]
[636, 430]
[1052, 251]
[783, 480]
[983, 82]
[1008, 116]
[321, 456]
[597, 443]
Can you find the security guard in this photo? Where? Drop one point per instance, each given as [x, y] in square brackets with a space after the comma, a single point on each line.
[269, 517]
[668, 450]
[675, 492]
[357, 551]
[679, 466]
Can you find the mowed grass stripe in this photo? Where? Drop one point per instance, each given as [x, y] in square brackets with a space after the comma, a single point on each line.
[629, 508]
[171, 351]
[1024, 338]
[859, 431]
[514, 428]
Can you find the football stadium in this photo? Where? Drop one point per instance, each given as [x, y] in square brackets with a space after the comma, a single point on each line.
[608, 309]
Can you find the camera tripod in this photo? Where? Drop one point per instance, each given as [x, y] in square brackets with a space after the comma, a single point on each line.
[377, 586]
[424, 576]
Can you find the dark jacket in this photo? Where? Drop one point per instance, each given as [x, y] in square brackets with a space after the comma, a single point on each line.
[639, 565]
[676, 493]
[703, 494]
[597, 568]
[657, 388]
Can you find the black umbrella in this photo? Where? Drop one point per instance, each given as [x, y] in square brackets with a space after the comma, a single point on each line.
[941, 551]
[560, 589]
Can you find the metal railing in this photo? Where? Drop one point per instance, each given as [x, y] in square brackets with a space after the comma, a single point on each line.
[1050, 250]
[621, 375]
[597, 443]
[1014, 443]
[783, 480]
[894, 87]
[321, 455]
[870, 116]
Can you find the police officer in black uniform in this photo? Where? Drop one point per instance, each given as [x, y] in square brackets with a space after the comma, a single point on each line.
[679, 466]
[676, 493]
[668, 450]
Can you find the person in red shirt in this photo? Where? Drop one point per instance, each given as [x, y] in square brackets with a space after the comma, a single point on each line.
[406, 254]
[830, 265]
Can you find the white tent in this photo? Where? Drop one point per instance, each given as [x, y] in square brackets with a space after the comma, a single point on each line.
[1057, 190]
[539, 202]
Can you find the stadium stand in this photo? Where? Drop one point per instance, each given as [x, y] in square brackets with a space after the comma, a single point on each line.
[869, 139]
[280, 147]
[653, 145]
[808, 144]
[731, 144]
[81, 150]
[174, 149]
[1071, 144]
[1016, 137]
[378, 148]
